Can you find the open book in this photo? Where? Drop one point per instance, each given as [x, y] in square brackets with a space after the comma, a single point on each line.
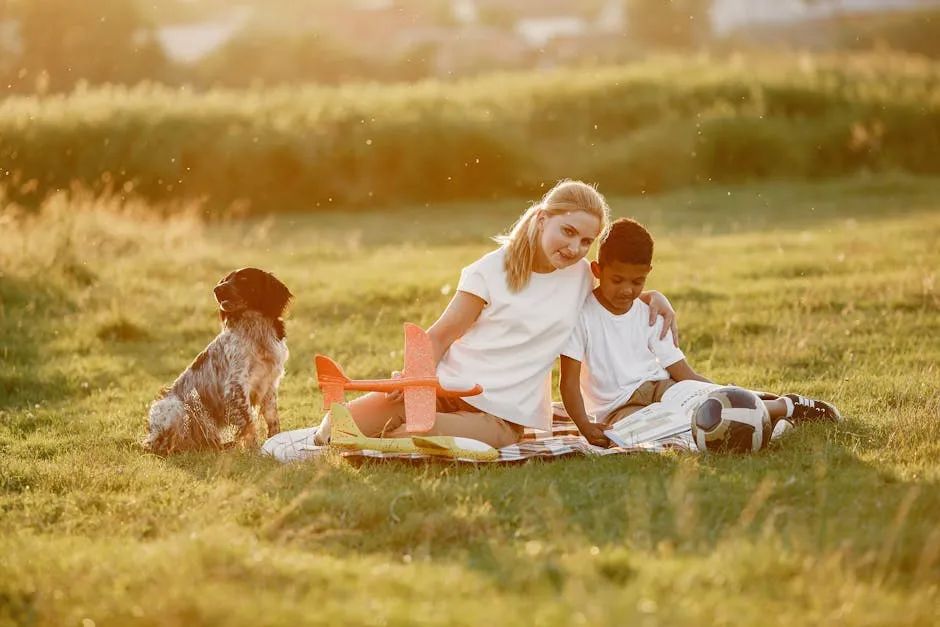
[670, 416]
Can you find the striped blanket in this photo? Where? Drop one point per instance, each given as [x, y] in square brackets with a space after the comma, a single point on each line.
[563, 440]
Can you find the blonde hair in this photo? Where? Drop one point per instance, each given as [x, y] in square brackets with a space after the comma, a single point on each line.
[522, 241]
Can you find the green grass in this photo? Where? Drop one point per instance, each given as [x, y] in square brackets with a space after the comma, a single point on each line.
[829, 289]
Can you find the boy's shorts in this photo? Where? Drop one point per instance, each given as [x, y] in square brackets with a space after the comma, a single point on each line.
[648, 393]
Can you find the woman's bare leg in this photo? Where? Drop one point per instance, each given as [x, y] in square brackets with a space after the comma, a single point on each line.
[373, 413]
[480, 426]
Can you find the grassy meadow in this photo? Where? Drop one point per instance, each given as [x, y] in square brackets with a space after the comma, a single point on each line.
[826, 288]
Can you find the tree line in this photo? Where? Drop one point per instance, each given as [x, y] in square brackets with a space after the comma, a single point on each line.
[63, 43]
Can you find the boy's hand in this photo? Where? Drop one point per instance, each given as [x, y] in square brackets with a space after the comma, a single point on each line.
[594, 433]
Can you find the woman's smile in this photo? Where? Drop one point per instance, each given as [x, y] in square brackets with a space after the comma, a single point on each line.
[564, 239]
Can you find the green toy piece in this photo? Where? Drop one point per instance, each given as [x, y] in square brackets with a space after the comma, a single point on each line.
[346, 434]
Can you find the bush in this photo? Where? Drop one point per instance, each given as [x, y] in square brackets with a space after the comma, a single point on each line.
[746, 148]
[651, 160]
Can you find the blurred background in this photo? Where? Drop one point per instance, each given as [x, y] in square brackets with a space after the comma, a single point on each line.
[54, 45]
[269, 105]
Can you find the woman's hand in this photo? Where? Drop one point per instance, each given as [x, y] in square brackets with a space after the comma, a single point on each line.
[395, 396]
[660, 306]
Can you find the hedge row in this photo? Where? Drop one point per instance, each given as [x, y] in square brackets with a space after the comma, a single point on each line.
[652, 126]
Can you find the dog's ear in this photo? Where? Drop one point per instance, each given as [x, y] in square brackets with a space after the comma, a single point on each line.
[274, 297]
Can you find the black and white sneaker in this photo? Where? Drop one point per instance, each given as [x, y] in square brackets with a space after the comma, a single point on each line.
[811, 410]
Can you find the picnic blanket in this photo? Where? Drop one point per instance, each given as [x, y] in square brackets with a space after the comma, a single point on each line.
[564, 439]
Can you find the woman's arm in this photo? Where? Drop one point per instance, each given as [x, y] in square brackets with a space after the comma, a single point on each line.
[462, 311]
[660, 306]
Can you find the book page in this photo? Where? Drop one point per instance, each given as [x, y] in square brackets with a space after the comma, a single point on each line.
[670, 416]
[687, 395]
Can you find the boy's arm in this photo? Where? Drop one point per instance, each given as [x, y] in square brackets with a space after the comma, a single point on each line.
[682, 371]
[667, 351]
[660, 306]
[570, 385]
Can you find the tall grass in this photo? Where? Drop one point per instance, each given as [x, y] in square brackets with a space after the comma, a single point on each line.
[639, 128]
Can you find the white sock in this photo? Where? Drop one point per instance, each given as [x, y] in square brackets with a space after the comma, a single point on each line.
[789, 404]
[322, 436]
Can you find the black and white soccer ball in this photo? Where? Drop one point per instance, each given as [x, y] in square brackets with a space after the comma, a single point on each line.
[731, 419]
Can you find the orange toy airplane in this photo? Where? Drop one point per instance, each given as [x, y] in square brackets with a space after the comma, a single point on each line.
[418, 381]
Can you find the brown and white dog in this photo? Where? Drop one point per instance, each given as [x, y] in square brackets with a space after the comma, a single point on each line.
[239, 370]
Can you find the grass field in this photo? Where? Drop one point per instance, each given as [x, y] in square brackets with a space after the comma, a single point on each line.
[829, 289]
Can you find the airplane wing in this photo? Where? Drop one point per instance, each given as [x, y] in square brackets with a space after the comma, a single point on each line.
[420, 409]
[420, 402]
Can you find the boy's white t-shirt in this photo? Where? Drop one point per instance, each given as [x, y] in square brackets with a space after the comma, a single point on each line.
[617, 354]
[512, 346]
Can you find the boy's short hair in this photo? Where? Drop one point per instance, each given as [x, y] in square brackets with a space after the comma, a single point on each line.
[627, 241]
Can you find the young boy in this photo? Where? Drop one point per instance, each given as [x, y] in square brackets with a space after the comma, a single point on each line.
[626, 364]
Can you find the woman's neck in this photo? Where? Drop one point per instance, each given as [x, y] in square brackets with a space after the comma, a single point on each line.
[541, 264]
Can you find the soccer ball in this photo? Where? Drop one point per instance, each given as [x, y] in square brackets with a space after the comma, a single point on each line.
[731, 419]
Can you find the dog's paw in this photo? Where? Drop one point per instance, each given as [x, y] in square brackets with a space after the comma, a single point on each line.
[247, 437]
[274, 428]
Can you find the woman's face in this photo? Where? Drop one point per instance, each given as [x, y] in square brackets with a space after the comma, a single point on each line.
[564, 239]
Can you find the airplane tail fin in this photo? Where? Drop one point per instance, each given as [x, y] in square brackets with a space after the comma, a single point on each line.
[331, 379]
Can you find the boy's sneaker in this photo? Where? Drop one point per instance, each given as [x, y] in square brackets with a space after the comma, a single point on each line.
[781, 428]
[811, 410]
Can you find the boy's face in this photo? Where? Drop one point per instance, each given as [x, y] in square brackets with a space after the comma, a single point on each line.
[620, 284]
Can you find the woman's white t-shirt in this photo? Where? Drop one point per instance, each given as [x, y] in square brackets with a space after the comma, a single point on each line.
[617, 354]
[512, 346]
